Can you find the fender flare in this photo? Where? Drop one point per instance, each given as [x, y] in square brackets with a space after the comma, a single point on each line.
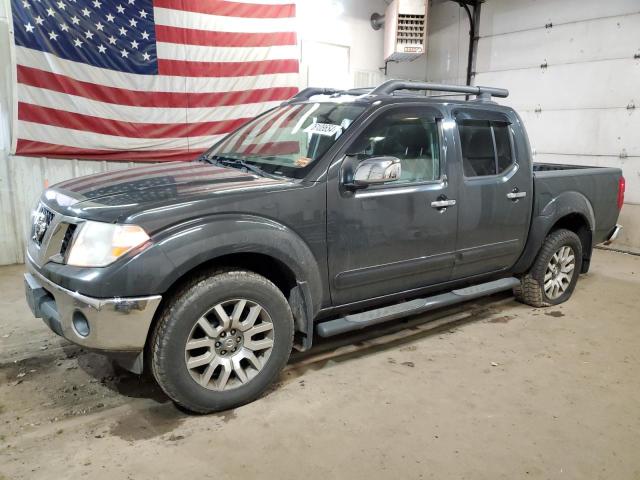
[191, 244]
[563, 205]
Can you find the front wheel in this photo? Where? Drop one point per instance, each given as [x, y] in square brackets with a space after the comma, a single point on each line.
[222, 341]
[554, 273]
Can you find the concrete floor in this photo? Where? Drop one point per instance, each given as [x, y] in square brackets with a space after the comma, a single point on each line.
[493, 389]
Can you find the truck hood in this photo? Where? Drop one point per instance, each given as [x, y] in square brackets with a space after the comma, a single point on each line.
[138, 188]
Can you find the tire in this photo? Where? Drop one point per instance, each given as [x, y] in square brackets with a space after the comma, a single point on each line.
[532, 289]
[199, 314]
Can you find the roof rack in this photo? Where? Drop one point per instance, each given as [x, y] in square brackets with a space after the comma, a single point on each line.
[307, 93]
[483, 93]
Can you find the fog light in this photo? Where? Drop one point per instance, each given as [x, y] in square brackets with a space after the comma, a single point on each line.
[80, 324]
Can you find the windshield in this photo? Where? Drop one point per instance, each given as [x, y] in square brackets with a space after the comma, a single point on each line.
[288, 139]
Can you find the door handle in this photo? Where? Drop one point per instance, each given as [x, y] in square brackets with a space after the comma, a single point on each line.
[442, 203]
[515, 194]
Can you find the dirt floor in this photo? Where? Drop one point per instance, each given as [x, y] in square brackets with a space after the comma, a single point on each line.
[492, 389]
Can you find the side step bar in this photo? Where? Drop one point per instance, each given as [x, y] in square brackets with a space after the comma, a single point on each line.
[379, 315]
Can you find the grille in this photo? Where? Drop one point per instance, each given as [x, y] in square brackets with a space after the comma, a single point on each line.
[41, 221]
[68, 236]
[410, 29]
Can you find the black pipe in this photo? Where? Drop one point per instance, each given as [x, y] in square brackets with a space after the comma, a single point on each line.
[472, 35]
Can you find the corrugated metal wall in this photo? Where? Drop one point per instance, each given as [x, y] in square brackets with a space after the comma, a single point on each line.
[26, 178]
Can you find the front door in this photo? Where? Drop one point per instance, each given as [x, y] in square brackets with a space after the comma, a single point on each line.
[495, 192]
[389, 238]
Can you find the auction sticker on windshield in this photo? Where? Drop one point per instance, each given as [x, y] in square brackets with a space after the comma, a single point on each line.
[326, 129]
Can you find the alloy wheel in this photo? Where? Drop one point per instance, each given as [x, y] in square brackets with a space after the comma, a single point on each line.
[229, 345]
[559, 273]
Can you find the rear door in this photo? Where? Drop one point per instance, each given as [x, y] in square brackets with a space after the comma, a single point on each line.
[389, 238]
[495, 191]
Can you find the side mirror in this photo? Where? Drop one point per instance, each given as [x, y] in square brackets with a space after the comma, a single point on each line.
[373, 171]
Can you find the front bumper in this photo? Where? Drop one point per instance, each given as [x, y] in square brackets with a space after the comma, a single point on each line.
[112, 324]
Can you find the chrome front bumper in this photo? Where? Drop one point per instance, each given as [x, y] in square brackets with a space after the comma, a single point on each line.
[113, 324]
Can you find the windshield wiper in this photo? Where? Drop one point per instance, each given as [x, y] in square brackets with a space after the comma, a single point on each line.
[239, 163]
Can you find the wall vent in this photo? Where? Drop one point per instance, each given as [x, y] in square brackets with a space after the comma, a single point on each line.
[405, 30]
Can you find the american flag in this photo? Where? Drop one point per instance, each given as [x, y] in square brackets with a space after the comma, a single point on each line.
[146, 80]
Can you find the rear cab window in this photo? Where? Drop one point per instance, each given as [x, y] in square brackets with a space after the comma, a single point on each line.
[486, 146]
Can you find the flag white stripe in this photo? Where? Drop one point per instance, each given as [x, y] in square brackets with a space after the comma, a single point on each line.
[273, 130]
[151, 83]
[201, 143]
[219, 23]
[96, 141]
[126, 113]
[199, 53]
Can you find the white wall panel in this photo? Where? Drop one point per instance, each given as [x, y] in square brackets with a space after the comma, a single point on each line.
[448, 43]
[601, 84]
[572, 43]
[9, 246]
[507, 16]
[575, 109]
[28, 177]
[345, 24]
[587, 132]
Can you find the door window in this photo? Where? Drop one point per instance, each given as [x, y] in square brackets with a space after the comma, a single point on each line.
[486, 147]
[410, 135]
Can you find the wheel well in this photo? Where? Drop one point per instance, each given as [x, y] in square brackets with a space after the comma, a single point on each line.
[269, 267]
[578, 225]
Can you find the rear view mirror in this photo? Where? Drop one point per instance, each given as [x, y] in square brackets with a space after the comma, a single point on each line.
[376, 170]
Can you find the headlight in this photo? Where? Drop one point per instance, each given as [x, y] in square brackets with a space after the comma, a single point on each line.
[98, 244]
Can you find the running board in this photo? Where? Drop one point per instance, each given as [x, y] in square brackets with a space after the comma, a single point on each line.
[362, 320]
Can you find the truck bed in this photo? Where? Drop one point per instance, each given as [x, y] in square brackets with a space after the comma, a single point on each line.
[552, 167]
[598, 186]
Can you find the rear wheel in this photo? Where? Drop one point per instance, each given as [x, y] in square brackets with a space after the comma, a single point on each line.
[222, 341]
[554, 274]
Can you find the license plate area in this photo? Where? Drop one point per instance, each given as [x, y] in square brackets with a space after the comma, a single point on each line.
[35, 295]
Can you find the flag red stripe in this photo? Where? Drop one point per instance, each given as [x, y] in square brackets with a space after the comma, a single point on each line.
[187, 68]
[271, 122]
[256, 147]
[35, 77]
[230, 9]
[192, 36]
[76, 121]
[265, 126]
[33, 148]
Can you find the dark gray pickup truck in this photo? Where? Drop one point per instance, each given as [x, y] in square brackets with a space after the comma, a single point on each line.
[333, 212]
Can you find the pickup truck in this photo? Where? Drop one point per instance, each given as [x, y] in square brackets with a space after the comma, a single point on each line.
[335, 211]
